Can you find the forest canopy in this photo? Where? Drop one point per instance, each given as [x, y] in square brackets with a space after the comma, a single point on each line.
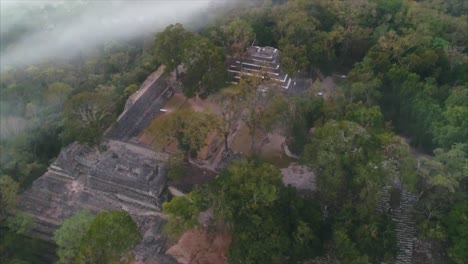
[398, 116]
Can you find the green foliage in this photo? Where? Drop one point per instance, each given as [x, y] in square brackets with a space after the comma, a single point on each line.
[16, 248]
[68, 237]
[8, 196]
[170, 44]
[20, 223]
[367, 238]
[442, 178]
[269, 221]
[57, 93]
[294, 59]
[183, 214]
[176, 167]
[453, 127]
[204, 68]
[258, 187]
[368, 117]
[346, 249]
[189, 128]
[109, 237]
[457, 222]
[351, 150]
[87, 115]
[431, 230]
[239, 35]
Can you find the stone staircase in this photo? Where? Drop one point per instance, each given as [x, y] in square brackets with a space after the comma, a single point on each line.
[405, 227]
[120, 178]
[404, 222]
[261, 62]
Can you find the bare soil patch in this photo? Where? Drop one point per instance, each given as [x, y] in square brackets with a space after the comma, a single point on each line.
[198, 246]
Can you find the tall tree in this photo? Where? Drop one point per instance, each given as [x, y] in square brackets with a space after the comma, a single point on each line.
[457, 222]
[354, 175]
[204, 68]
[109, 238]
[453, 127]
[231, 104]
[189, 128]
[169, 46]
[68, 236]
[239, 35]
[87, 115]
[183, 214]
[8, 196]
[269, 222]
[442, 180]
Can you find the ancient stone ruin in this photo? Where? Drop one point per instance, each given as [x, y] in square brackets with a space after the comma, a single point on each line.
[124, 177]
[119, 175]
[261, 62]
[142, 107]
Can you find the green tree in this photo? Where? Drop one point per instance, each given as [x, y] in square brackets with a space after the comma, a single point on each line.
[269, 222]
[294, 59]
[453, 127]
[347, 250]
[204, 68]
[239, 35]
[296, 27]
[259, 186]
[68, 237]
[368, 117]
[109, 237]
[57, 93]
[20, 223]
[87, 115]
[364, 85]
[230, 101]
[260, 111]
[457, 222]
[442, 178]
[189, 128]
[169, 46]
[354, 172]
[8, 196]
[183, 214]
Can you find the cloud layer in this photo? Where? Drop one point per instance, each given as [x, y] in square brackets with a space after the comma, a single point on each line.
[57, 28]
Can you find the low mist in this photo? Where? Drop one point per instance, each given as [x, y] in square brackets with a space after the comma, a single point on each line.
[34, 31]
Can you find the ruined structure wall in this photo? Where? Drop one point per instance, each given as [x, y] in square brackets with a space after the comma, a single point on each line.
[124, 177]
[140, 113]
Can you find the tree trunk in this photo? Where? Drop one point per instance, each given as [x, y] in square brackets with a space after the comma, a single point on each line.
[226, 147]
[177, 72]
[252, 140]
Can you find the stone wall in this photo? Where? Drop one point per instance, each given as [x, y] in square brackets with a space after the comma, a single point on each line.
[121, 178]
[261, 61]
[141, 111]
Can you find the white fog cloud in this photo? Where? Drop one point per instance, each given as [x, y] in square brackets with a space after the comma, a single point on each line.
[84, 24]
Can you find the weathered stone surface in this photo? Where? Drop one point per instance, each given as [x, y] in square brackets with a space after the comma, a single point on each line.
[142, 107]
[125, 177]
[299, 177]
[261, 61]
[404, 222]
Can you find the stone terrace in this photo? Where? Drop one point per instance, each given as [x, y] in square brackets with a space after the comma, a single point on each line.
[261, 61]
[123, 177]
